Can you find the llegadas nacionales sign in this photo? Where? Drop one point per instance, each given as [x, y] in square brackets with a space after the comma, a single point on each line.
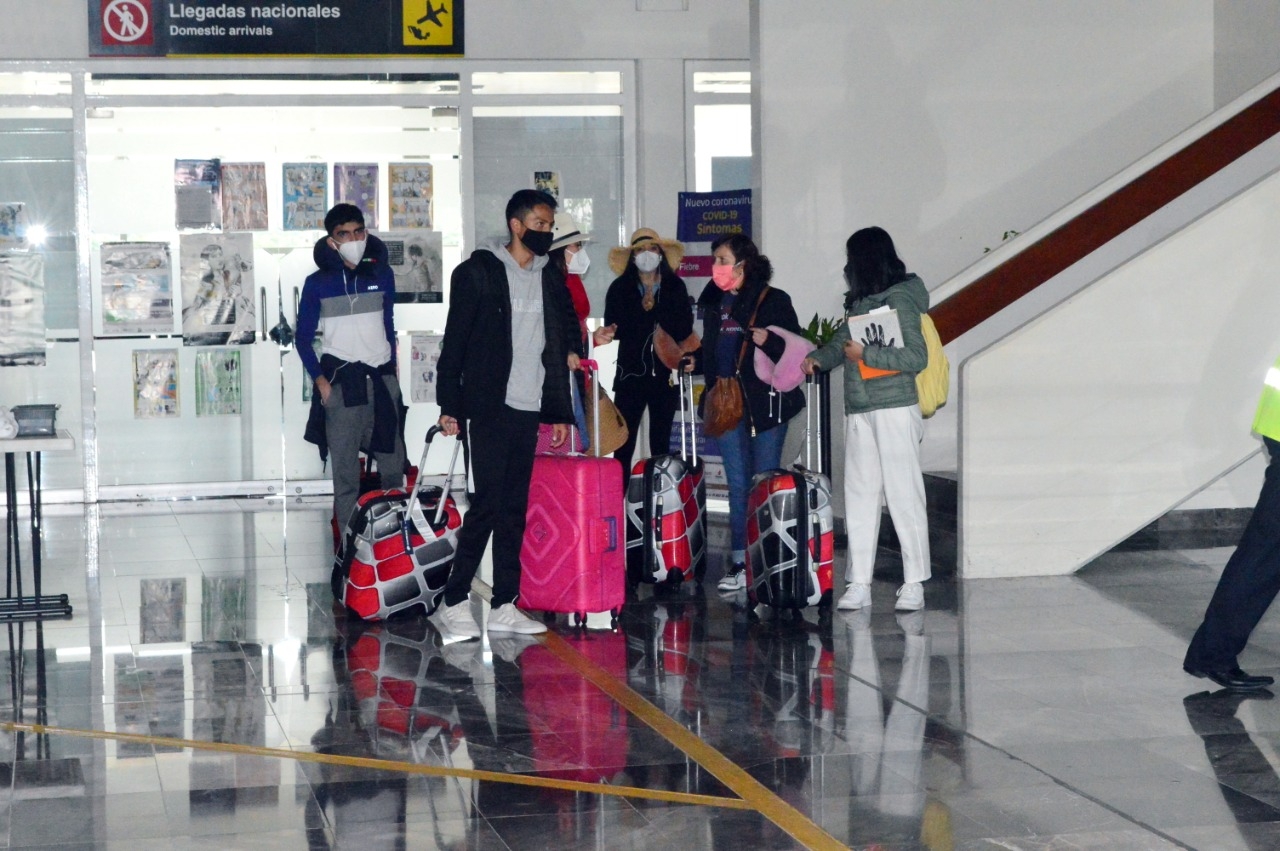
[275, 27]
[707, 216]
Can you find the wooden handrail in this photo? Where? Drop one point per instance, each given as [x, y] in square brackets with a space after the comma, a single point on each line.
[1133, 202]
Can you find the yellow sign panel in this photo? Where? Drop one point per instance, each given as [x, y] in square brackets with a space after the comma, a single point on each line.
[428, 23]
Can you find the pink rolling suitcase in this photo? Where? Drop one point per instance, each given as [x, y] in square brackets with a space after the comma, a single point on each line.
[573, 559]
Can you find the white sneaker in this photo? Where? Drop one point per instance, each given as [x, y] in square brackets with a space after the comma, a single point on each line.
[855, 597]
[507, 618]
[735, 579]
[458, 621]
[910, 597]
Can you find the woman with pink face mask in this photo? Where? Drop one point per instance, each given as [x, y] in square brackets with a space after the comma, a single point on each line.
[738, 306]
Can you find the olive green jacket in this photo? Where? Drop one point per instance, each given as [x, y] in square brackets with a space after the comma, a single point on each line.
[910, 299]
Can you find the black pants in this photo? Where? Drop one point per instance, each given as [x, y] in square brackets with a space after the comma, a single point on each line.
[631, 396]
[500, 453]
[1249, 582]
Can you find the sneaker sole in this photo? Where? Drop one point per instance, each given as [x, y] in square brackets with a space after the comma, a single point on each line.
[512, 630]
[909, 607]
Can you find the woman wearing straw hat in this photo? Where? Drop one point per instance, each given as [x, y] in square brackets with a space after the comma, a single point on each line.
[646, 295]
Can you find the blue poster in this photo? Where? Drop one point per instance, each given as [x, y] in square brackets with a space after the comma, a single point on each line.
[707, 216]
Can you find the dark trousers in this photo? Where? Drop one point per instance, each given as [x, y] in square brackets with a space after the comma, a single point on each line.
[631, 396]
[1249, 582]
[500, 454]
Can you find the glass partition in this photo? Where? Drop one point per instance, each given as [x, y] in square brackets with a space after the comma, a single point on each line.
[39, 337]
[166, 411]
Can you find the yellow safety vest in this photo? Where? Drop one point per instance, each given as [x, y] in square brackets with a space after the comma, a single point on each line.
[1267, 421]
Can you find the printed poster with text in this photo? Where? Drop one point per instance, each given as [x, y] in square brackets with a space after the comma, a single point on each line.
[155, 383]
[137, 288]
[357, 183]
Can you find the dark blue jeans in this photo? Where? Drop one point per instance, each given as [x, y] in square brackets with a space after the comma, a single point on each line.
[743, 457]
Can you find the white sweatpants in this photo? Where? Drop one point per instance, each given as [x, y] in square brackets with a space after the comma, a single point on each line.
[882, 457]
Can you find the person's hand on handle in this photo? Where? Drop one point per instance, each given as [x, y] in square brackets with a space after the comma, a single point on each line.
[559, 433]
[686, 363]
[448, 425]
[809, 366]
[574, 363]
[604, 335]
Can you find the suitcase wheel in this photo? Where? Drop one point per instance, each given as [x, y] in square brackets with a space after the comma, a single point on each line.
[548, 617]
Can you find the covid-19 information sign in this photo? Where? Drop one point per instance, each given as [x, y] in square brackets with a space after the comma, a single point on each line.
[275, 27]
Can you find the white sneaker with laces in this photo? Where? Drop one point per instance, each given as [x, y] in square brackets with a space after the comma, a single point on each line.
[910, 597]
[856, 596]
[458, 620]
[507, 618]
[734, 580]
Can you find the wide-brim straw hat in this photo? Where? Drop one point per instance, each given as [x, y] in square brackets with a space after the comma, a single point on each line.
[619, 256]
[565, 231]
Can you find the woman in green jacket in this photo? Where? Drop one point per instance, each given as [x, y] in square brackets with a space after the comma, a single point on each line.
[883, 425]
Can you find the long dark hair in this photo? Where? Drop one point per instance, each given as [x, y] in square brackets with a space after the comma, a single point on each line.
[871, 265]
[757, 271]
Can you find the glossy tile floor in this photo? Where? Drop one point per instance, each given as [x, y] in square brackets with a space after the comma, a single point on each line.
[1015, 714]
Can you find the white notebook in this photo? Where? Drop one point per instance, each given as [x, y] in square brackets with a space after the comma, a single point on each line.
[879, 327]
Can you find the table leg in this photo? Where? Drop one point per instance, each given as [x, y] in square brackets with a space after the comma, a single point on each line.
[15, 606]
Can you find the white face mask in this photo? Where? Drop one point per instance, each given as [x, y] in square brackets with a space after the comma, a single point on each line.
[579, 262]
[352, 251]
[647, 261]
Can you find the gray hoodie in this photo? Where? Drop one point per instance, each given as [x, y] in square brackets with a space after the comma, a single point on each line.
[528, 333]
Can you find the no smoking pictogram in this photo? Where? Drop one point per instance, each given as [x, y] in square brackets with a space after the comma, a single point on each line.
[126, 22]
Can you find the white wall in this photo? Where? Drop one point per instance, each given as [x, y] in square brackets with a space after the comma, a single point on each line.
[950, 123]
[1243, 54]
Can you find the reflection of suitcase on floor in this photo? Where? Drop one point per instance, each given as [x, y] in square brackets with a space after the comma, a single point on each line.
[399, 548]
[666, 508]
[790, 548]
[572, 558]
[578, 732]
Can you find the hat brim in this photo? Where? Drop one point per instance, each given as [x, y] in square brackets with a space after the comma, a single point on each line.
[570, 239]
[673, 250]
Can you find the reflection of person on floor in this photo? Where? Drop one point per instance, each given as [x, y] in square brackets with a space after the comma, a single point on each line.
[1227, 743]
[888, 752]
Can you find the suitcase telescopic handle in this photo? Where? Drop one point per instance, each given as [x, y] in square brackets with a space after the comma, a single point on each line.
[448, 476]
[812, 422]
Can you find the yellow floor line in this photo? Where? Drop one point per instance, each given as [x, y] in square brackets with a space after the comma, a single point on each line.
[754, 793]
[384, 765]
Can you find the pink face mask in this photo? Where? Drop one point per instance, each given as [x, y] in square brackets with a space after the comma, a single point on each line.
[724, 277]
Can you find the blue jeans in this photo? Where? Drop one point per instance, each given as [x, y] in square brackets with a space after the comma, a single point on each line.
[744, 456]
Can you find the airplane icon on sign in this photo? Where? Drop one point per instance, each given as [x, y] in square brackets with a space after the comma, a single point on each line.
[433, 15]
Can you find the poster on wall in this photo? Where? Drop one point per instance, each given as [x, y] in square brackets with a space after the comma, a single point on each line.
[357, 183]
[424, 355]
[137, 288]
[707, 216]
[13, 224]
[548, 182]
[412, 187]
[415, 258]
[22, 334]
[244, 196]
[197, 194]
[217, 382]
[306, 194]
[155, 383]
[217, 288]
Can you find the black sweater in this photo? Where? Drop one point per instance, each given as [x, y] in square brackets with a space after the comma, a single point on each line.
[763, 412]
[623, 307]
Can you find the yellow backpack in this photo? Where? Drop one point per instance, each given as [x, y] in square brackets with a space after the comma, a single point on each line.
[933, 382]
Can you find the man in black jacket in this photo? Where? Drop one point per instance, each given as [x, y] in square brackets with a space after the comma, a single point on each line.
[503, 369]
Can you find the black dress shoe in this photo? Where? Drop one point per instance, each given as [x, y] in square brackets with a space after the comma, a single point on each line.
[1233, 678]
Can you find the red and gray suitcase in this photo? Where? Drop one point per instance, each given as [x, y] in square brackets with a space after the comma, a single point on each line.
[790, 546]
[572, 558]
[667, 508]
[400, 547]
